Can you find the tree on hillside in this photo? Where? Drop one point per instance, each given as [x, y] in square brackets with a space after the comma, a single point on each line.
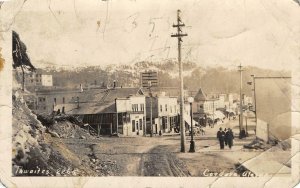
[20, 57]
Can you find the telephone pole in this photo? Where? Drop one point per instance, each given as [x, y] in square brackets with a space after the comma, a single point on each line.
[179, 35]
[150, 95]
[241, 98]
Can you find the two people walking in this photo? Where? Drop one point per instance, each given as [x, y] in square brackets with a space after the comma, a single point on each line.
[225, 137]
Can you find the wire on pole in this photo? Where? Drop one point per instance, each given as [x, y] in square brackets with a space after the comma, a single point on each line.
[179, 35]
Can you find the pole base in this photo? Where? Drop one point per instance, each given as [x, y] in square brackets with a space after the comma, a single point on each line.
[242, 134]
[192, 146]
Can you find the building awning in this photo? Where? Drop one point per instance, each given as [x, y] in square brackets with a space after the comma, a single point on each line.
[217, 115]
[187, 119]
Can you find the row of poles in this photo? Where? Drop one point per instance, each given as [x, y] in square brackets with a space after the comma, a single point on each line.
[179, 35]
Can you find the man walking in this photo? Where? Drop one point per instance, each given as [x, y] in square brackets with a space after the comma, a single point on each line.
[225, 131]
[229, 138]
[221, 137]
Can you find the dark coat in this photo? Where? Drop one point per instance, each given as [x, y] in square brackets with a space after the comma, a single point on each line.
[229, 136]
[221, 135]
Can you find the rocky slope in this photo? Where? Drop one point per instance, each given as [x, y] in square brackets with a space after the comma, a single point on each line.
[37, 150]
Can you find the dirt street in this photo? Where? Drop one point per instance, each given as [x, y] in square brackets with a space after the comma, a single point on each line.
[157, 156]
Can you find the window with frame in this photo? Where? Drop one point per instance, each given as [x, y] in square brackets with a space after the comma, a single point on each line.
[166, 107]
[160, 108]
[135, 107]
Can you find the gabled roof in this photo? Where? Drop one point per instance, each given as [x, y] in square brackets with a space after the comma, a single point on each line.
[112, 94]
[97, 101]
[106, 95]
[93, 95]
[87, 108]
[200, 96]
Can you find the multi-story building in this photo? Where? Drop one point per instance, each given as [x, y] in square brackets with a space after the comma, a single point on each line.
[34, 79]
[48, 98]
[47, 80]
[209, 108]
[115, 110]
[222, 99]
[133, 107]
[203, 104]
[164, 113]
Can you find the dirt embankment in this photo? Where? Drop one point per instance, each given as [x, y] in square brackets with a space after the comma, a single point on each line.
[36, 152]
[64, 126]
[41, 148]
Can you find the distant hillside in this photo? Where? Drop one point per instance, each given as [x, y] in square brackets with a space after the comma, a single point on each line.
[218, 79]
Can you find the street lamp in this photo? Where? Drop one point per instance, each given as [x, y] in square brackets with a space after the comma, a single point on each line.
[192, 145]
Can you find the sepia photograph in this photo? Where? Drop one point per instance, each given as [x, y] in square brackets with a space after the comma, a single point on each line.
[137, 93]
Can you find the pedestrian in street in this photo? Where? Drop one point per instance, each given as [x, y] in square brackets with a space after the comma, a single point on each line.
[225, 141]
[202, 131]
[221, 137]
[229, 137]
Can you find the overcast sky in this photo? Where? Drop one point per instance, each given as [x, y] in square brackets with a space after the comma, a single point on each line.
[263, 33]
